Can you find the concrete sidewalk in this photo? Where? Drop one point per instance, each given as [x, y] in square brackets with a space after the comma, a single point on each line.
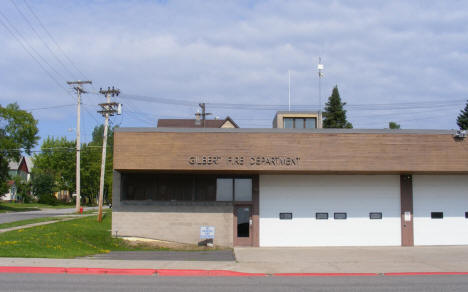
[293, 260]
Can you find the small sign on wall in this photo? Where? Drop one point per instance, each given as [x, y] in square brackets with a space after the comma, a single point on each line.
[407, 216]
[207, 232]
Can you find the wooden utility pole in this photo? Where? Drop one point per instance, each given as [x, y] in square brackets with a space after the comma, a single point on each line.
[203, 113]
[108, 109]
[79, 90]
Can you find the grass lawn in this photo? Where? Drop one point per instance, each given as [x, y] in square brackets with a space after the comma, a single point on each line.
[69, 239]
[27, 221]
[22, 207]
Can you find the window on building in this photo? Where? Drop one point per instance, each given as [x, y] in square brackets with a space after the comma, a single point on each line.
[185, 187]
[285, 216]
[243, 189]
[340, 216]
[437, 215]
[300, 123]
[375, 215]
[310, 123]
[288, 123]
[224, 189]
[321, 216]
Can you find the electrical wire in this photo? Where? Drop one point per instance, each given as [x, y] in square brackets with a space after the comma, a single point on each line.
[4, 24]
[53, 39]
[42, 40]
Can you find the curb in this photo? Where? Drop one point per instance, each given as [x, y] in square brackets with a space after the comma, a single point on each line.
[200, 273]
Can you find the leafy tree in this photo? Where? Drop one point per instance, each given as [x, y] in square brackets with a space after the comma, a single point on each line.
[23, 189]
[43, 186]
[334, 114]
[462, 120]
[91, 155]
[393, 125]
[57, 159]
[18, 132]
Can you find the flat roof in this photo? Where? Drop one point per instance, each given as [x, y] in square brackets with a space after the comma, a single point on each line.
[282, 130]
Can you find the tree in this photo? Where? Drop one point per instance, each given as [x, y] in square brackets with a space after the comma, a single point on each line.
[393, 125]
[18, 133]
[43, 186]
[334, 114]
[91, 155]
[462, 120]
[57, 159]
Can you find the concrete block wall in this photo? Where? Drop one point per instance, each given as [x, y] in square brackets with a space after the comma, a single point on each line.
[175, 223]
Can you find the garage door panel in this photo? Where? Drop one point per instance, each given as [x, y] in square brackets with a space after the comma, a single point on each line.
[305, 195]
[440, 193]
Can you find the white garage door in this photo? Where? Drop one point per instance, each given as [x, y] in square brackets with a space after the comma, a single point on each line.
[440, 203]
[351, 196]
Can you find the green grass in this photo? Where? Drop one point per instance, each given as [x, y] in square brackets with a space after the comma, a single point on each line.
[66, 239]
[27, 221]
[22, 207]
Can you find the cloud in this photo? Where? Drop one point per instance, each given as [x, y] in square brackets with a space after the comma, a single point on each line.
[377, 52]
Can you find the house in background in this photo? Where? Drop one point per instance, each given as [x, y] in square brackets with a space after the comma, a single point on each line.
[23, 169]
[197, 123]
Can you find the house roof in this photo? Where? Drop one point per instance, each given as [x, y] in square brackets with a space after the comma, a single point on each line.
[190, 123]
[14, 165]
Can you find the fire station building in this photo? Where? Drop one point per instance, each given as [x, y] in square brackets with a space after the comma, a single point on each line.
[291, 187]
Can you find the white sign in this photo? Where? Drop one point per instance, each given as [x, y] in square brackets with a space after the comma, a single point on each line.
[407, 216]
[207, 232]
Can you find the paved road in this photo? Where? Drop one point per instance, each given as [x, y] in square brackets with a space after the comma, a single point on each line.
[35, 282]
[17, 216]
[213, 255]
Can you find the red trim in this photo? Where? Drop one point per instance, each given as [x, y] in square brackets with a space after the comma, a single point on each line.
[426, 274]
[198, 273]
[204, 273]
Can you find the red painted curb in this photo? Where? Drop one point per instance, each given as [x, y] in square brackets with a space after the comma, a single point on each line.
[324, 274]
[101, 271]
[198, 273]
[32, 270]
[206, 273]
[426, 274]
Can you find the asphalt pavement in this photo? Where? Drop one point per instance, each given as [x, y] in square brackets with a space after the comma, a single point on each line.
[17, 216]
[213, 255]
[52, 282]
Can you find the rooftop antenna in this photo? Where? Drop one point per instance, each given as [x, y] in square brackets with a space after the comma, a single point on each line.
[289, 90]
[320, 76]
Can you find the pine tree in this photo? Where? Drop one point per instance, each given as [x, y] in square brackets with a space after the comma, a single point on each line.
[462, 120]
[334, 114]
[393, 125]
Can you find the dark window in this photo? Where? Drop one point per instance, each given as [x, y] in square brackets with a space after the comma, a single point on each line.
[340, 216]
[205, 189]
[285, 216]
[243, 222]
[437, 215]
[321, 216]
[466, 215]
[375, 215]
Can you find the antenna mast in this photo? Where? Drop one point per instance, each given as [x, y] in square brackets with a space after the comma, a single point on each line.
[320, 76]
[289, 90]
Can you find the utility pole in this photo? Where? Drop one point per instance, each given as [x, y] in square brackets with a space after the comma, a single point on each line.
[77, 86]
[108, 109]
[203, 113]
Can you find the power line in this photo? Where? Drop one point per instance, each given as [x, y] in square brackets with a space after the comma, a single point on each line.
[53, 39]
[39, 37]
[18, 39]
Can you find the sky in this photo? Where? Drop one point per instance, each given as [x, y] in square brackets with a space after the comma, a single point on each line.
[402, 61]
